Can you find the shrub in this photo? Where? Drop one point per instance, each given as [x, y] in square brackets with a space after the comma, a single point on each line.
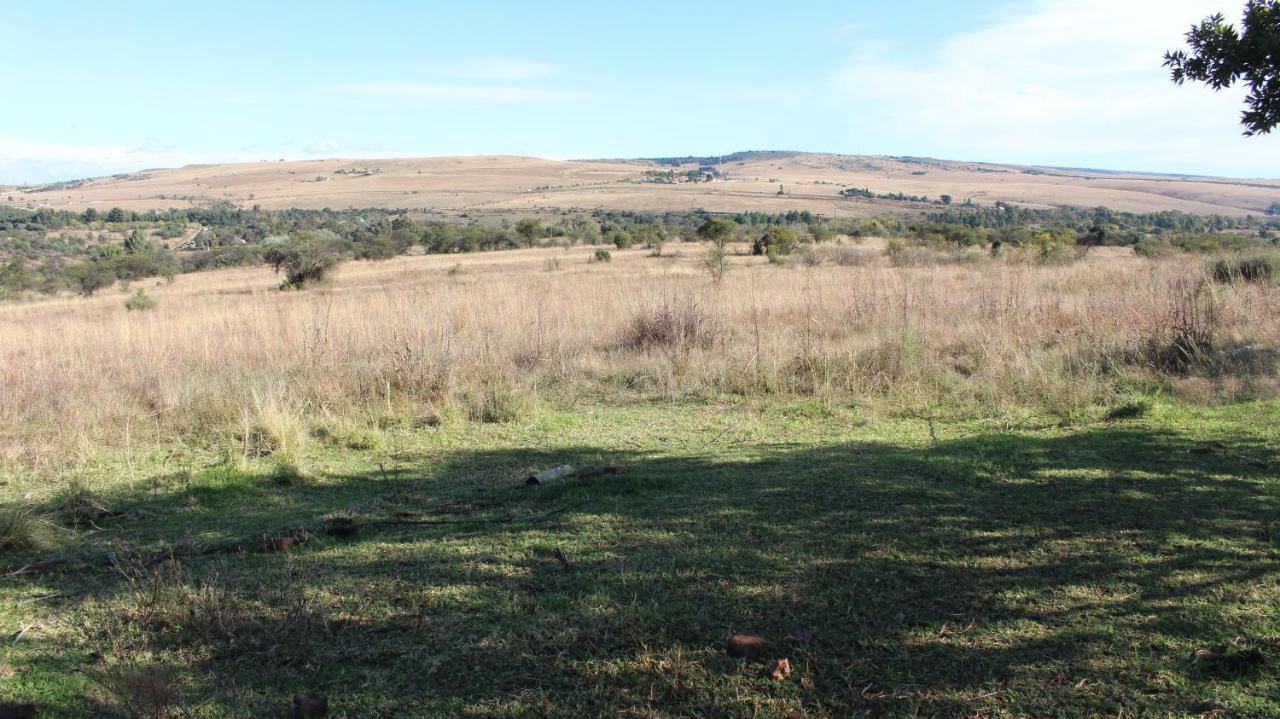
[1185, 335]
[683, 325]
[308, 258]
[497, 401]
[903, 255]
[775, 241]
[853, 257]
[602, 255]
[140, 302]
[716, 261]
[1256, 268]
[77, 504]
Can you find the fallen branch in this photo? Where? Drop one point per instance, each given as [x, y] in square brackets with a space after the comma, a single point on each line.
[37, 566]
[566, 471]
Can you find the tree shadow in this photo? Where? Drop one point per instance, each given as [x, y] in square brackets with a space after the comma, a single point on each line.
[1000, 572]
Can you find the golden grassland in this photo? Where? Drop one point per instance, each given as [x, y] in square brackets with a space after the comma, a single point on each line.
[486, 185]
[227, 361]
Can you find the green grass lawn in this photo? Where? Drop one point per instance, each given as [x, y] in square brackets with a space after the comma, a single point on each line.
[971, 570]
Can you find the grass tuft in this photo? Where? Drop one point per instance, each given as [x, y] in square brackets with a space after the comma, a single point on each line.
[22, 527]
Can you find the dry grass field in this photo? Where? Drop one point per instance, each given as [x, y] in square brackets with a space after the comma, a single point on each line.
[423, 335]
[524, 185]
[937, 484]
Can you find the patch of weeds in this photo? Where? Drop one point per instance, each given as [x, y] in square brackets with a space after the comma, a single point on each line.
[23, 527]
[143, 690]
[76, 504]
[1255, 268]
[1128, 410]
[350, 435]
[497, 401]
[684, 323]
[286, 473]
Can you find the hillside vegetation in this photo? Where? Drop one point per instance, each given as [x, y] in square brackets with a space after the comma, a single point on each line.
[947, 466]
[763, 181]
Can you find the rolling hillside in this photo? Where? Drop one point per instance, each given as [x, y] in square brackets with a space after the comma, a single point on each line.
[749, 181]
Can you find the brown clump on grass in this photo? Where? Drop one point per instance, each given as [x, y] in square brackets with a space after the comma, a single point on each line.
[745, 645]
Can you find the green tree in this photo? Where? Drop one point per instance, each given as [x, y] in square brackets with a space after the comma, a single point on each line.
[308, 257]
[775, 241]
[718, 230]
[137, 243]
[89, 277]
[529, 230]
[1221, 55]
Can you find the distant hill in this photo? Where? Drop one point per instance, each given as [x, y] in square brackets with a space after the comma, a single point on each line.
[755, 180]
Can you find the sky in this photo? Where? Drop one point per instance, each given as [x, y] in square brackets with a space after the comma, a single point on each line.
[93, 88]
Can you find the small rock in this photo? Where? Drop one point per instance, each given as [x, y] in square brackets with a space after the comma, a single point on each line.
[744, 645]
[781, 669]
[307, 707]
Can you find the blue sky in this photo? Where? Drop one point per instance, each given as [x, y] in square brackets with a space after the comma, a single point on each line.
[94, 87]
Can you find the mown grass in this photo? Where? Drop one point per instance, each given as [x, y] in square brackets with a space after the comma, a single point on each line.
[944, 569]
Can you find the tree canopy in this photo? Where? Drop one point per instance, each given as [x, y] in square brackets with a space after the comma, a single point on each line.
[1220, 55]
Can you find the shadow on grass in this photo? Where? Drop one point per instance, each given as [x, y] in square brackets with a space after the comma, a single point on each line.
[1020, 573]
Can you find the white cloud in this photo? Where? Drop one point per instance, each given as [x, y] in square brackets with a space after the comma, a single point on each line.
[1064, 81]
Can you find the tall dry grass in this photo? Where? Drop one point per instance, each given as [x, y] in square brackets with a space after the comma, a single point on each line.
[226, 360]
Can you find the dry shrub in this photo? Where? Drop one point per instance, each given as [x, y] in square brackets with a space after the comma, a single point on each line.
[854, 257]
[272, 425]
[1185, 336]
[674, 324]
[904, 255]
[147, 691]
[1255, 268]
[497, 400]
[76, 504]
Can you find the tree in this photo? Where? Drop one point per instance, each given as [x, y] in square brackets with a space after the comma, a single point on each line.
[1220, 55]
[529, 230]
[137, 243]
[91, 277]
[775, 241]
[718, 230]
[308, 257]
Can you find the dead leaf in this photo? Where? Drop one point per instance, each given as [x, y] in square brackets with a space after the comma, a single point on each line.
[781, 669]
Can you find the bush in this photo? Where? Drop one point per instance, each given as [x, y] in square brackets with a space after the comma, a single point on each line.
[139, 302]
[685, 324]
[497, 401]
[1185, 337]
[308, 258]
[853, 257]
[602, 255]
[775, 241]
[1258, 268]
